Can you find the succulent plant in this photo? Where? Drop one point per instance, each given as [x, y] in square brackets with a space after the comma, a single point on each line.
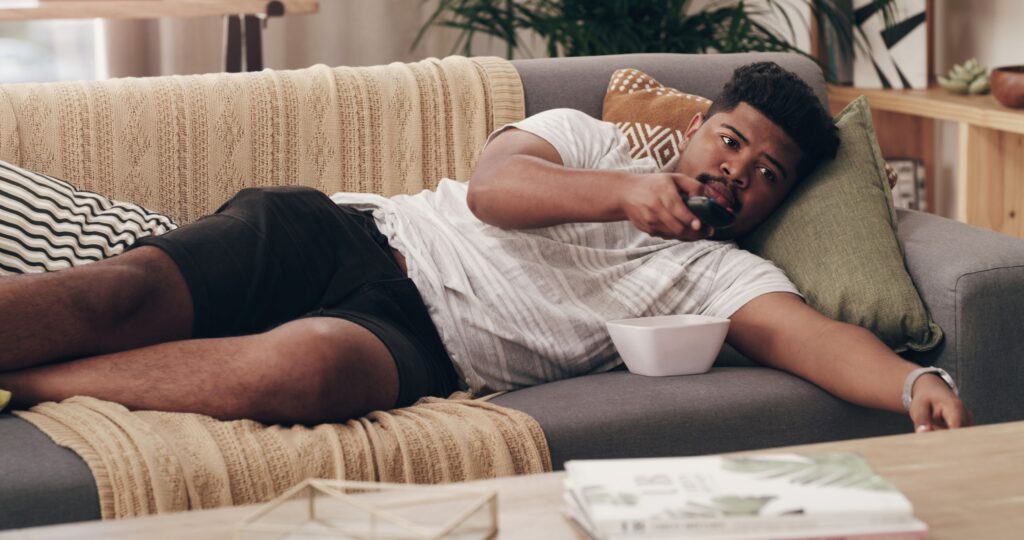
[967, 78]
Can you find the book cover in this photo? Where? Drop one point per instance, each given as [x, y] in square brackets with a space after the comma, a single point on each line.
[763, 496]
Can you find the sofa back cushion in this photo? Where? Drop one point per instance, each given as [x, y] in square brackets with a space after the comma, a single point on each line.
[580, 82]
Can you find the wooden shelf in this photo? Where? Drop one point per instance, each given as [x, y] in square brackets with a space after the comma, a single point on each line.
[143, 9]
[936, 103]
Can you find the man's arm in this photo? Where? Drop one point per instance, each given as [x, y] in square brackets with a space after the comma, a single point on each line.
[520, 182]
[781, 331]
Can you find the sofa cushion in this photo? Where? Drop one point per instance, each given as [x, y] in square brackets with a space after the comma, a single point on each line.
[652, 116]
[47, 224]
[622, 415]
[835, 237]
[41, 483]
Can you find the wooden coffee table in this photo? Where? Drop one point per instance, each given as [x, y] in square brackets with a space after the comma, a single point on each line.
[965, 484]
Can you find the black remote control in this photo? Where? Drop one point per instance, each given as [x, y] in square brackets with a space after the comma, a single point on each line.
[710, 212]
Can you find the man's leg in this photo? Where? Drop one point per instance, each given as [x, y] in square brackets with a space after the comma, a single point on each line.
[131, 300]
[306, 371]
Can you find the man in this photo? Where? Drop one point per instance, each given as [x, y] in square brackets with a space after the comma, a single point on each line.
[285, 306]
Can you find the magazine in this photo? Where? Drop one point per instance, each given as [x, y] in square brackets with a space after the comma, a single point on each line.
[819, 495]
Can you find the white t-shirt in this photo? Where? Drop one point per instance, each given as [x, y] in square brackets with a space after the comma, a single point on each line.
[517, 308]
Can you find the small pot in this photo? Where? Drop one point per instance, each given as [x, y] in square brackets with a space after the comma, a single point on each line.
[1008, 85]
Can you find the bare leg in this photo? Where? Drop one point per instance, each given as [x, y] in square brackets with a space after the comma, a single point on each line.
[127, 301]
[306, 371]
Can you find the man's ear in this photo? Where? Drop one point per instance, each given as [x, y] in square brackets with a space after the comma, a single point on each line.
[695, 123]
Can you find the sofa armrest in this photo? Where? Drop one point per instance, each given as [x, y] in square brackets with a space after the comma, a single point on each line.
[972, 281]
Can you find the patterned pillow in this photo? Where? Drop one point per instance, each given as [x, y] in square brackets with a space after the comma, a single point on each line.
[47, 224]
[652, 117]
[835, 237]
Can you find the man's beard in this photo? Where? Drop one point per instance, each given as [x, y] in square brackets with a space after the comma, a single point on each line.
[706, 178]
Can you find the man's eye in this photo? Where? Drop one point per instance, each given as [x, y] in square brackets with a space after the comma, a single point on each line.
[768, 174]
[729, 141]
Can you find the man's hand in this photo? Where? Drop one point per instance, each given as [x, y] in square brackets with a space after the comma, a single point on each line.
[934, 406]
[654, 204]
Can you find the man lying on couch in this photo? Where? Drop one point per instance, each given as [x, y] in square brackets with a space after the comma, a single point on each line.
[288, 306]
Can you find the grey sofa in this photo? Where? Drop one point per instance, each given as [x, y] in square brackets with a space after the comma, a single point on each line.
[972, 280]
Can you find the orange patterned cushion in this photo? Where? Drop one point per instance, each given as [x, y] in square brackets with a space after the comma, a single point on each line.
[652, 116]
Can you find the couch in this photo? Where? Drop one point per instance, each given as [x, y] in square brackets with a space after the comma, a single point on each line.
[971, 280]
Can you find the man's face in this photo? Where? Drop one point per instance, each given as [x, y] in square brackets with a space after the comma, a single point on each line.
[743, 160]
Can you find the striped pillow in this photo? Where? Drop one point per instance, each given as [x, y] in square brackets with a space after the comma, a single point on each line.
[47, 224]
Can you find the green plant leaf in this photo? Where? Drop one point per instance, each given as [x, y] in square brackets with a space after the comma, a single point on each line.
[598, 27]
[825, 469]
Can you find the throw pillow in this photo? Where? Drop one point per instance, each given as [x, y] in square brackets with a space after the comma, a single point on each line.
[652, 117]
[47, 224]
[835, 238]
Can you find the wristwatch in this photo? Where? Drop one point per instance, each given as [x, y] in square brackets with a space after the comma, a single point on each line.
[908, 384]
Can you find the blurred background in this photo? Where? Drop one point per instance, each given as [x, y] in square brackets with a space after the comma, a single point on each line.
[370, 32]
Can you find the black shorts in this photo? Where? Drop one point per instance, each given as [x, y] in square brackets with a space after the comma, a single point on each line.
[273, 255]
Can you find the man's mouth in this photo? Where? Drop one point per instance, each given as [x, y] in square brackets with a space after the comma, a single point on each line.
[716, 188]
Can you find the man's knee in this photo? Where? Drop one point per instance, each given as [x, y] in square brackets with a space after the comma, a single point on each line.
[127, 286]
[332, 369]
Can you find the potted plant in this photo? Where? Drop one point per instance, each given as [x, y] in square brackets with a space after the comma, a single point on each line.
[598, 27]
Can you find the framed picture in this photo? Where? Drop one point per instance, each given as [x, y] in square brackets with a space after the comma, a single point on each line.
[908, 192]
[899, 53]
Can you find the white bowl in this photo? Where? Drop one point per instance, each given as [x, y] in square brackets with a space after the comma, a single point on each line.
[669, 345]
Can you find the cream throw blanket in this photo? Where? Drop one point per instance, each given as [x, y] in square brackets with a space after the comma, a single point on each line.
[184, 145]
[148, 462]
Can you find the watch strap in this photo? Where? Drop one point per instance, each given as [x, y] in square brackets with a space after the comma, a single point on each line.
[908, 383]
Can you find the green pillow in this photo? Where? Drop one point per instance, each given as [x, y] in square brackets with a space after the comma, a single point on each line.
[835, 237]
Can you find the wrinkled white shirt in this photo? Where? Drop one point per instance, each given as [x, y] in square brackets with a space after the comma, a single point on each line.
[517, 308]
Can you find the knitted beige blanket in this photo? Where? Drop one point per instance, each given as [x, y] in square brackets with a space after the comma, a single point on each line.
[149, 462]
[184, 145]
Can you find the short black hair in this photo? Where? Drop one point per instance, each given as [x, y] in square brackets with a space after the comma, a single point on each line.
[789, 102]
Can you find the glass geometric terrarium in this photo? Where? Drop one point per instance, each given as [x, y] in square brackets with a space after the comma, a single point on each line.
[369, 510]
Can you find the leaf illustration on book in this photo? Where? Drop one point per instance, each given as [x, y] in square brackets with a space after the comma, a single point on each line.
[722, 506]
[601, 495]
[835, 469]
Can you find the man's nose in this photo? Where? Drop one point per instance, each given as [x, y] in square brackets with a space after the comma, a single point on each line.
[734, 174]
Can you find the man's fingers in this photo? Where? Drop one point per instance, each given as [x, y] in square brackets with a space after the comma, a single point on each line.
[683, 182]
[670, 224]
[952, 416]
[677, 207]
[920, 414]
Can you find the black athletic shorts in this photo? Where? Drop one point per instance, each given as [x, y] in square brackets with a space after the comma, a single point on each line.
[273, 255]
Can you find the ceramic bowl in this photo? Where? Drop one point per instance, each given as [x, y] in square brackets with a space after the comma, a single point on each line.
[669, 345]
[1008, 85]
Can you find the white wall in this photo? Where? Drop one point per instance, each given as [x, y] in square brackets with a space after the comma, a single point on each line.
[361, 33]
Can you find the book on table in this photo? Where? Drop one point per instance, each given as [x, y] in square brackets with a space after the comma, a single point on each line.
[811, 495]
